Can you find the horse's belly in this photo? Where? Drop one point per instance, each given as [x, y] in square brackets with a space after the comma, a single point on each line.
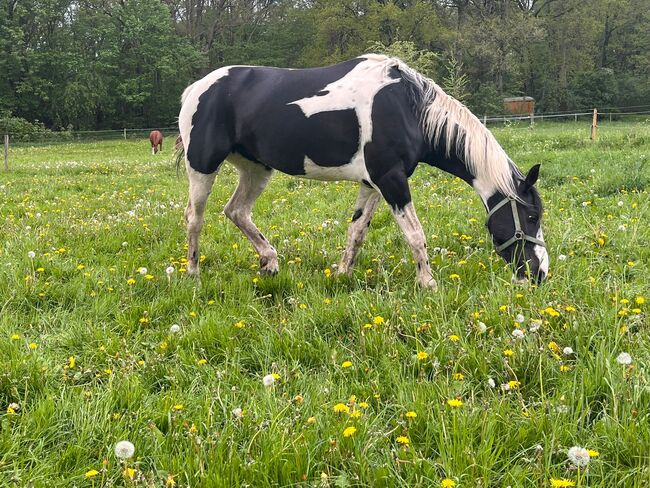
[353, 171]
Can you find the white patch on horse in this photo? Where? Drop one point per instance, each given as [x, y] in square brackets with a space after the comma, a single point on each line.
[353, 171]
[356, 90]
[542, 254]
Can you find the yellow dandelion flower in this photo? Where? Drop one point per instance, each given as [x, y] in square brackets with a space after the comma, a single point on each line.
[311, 420]
[561, 483]
[513, 384]
[639, 300]
[201, 361]
[454, 338]
[170, 481]
[378, 320]
[177, 407]
[129, 473]
[403, 440]
[15, 337]
[240, 324]
[454, 403]
[328, 272]
[10, 410]
[349, 432]
[551, 311]
[355, 414]
[363, 405]
[593, 453]
[148, 277]
[422, 355]
[508, 352]
[459, 376]
[71, 362]
[411, 414]
[33, 345]
[447, 483]
[108, 371]
[92, 473]
[554, 347]
[131, 281]
[454, 276]
[569, 308]
[346, 364]
[341, 408]
[80, 267]
[565, 368]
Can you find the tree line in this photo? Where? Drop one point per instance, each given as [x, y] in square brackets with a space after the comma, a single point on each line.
[95, 64]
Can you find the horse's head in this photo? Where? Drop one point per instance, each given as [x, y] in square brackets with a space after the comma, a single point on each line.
[515, 226]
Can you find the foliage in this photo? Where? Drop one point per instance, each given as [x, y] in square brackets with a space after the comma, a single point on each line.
[19, 128]
[108, 64]
[106, 364]
[423, 61]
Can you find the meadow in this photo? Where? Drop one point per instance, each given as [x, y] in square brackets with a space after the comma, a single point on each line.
[374, 382]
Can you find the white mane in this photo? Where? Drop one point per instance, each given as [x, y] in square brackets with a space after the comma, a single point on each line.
[445, 117]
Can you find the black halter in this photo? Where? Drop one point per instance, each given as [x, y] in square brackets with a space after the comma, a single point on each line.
[519, 235]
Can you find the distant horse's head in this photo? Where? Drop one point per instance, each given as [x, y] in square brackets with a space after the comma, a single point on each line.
[515, 226]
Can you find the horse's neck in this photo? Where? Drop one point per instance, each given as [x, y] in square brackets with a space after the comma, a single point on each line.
[455, 166]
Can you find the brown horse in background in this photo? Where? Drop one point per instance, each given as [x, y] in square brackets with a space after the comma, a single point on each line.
[156, 139]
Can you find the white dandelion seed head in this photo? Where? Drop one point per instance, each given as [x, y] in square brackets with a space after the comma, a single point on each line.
[518, 334]
[491, 383]
[539, 449]
[562, 257]
[592, 171]
[567, 351]
[124, 450]
[125, 244]
[621, 228]
[142, 270]
[268, 380]
[175, 329]
[535, 325]
[624, 359]
[169, 270]
[578, 456]
[237, 412]
[31, 254]
[621, 203]
[482, 327]
[520, 319]
[584, 204]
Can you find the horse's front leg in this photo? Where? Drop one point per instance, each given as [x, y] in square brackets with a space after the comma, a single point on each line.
[394, 188]
[364, 208]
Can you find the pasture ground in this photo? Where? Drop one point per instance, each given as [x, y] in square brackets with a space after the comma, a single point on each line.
[87, 357]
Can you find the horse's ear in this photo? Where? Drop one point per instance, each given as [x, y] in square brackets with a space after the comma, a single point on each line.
[531, 177]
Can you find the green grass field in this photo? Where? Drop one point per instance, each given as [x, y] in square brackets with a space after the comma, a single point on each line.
[87, 357]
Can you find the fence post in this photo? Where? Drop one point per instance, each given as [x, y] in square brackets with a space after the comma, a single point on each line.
[575, 117]
[594, 125]
[484, 119]
[125, 133]
[532, 119]
[6, 152]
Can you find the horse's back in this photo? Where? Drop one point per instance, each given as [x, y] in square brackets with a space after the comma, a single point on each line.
[300, 121]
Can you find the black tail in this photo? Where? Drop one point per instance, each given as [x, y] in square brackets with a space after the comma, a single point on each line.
[179, 153]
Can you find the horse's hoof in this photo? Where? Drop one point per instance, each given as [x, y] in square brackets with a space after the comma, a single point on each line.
[429, 284]
[269, 266]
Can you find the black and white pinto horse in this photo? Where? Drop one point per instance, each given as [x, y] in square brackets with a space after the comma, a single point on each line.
[371, 120]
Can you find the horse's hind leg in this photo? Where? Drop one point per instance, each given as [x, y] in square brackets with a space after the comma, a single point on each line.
[200, 188]
[253, 178]
[364, 208]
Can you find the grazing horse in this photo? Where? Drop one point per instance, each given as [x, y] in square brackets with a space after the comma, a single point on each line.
[156, 139]
[371, 120]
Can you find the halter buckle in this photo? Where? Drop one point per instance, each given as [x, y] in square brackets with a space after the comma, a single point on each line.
[519, 235]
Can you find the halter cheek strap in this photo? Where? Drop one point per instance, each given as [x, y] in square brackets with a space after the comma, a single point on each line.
[519, 235]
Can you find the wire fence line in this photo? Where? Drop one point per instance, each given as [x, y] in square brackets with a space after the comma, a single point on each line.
[614, 114]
